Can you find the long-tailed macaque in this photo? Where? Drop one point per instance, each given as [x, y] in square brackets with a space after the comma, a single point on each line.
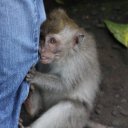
[67, 91]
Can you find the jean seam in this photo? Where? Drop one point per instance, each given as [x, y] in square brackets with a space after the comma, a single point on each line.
[36, 20]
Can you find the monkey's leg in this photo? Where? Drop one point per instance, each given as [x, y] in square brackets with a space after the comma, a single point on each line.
[33, 103]
[65, 114]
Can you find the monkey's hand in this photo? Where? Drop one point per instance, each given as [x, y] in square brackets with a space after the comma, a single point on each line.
[45, 81]
[33, 77]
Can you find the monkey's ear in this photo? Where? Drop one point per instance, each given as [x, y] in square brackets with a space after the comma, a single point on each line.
[78, 38]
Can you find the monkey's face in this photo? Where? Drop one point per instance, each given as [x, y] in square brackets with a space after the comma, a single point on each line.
[50, 48]
[54, 47]
[60, 34]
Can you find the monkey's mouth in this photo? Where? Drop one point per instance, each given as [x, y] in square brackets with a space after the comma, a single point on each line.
[45, 60]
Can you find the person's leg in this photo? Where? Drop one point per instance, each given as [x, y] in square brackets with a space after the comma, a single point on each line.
[19, 36]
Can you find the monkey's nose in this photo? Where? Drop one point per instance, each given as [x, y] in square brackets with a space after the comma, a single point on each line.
[42, 50]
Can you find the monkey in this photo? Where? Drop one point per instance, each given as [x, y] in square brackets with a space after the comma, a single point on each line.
[67, 91]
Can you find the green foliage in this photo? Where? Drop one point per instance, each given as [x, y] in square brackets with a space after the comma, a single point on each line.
[119, 31]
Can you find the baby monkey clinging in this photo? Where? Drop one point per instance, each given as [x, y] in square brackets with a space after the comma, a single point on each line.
[69, 88]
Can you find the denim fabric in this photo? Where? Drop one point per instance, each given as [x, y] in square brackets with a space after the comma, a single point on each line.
[19, 36]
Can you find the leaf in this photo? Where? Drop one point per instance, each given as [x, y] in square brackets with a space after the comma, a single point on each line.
[60, 1]
[119, 31]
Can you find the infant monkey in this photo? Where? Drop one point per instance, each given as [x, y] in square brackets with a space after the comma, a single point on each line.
[67, 91]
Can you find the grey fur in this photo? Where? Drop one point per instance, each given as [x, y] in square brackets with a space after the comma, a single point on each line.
[72, 81]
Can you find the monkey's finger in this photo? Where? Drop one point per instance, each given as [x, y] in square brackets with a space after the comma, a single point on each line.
[33, 68]
[23, 126]
[28, 79]
[20, 125]
[30, 76]
[20, 120]
[32, 72]
[32, 88]
[31, 83]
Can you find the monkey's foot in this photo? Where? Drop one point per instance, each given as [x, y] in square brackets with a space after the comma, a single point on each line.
[92, 124]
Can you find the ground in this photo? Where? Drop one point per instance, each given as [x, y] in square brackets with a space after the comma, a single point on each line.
[111, 107]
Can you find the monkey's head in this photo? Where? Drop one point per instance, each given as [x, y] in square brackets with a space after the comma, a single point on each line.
[59, 35]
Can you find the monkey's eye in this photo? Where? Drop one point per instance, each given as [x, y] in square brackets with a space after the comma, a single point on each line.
[52, 40]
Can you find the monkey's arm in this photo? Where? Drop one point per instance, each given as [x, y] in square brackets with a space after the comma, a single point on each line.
[46, 81]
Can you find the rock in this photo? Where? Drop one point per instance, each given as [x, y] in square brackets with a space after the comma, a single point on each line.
[103, 9]
[115, 113]
[98, 111]
[94, 13]
[124, 100]
[117, 8]
[118, 107]
[124, 112]
[117, 96]
[117, 47]
[101, 92]
[99, 106]
[116, 123]
[100, 25]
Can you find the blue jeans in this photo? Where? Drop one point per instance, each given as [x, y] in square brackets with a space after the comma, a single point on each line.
[20, 22]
